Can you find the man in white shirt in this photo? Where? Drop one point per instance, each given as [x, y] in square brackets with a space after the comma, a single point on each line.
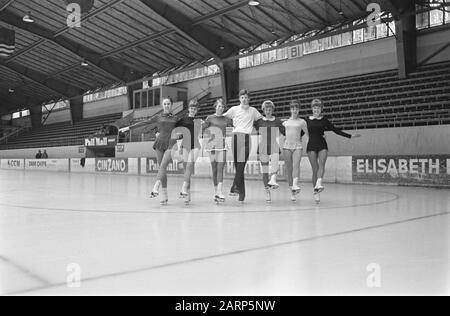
[244, 116]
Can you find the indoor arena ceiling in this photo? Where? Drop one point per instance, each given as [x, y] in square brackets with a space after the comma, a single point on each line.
[126, 40]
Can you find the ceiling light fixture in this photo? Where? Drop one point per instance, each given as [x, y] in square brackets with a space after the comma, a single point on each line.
[253, 3]
[28, 18]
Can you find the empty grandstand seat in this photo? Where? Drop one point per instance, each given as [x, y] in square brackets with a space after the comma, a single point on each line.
[61, 134]
[368, 100]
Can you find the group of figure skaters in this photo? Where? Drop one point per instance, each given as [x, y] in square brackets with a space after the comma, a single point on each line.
[275, 138]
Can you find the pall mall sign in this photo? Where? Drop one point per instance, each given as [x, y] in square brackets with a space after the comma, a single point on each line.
[403, 170]
[111, 165]
[175, 167]
[102, 142]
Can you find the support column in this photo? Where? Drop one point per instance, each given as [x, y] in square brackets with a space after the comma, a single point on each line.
[36, 116]
[76, 109]
[229, 72]
[406, 39]
[131, 90]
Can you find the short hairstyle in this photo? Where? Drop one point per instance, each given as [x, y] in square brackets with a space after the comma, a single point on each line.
[317, 102]
[193, 103]
[244, 92]
[294, 104]
[267, 104]
[168, 98]
[219, 101]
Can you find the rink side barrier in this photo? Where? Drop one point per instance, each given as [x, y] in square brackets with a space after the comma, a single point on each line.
[430, 170]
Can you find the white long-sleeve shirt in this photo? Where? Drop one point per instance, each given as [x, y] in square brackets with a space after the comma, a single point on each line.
[243, 119]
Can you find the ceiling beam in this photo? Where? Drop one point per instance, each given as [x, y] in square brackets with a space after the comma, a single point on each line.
[7, 4]
[313, 13]
[55, 86]
[108, 66]
[201, 37]
[358, 5]
[15, 102]
[220, 12]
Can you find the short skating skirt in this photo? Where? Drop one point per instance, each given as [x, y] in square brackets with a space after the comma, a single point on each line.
[317, 145]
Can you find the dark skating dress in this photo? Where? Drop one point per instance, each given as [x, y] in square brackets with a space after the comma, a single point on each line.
[165, 124]
[190, 123]
[317, 129]
[268, 140]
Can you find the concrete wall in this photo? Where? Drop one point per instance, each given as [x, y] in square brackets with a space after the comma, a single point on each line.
[346, 61]
[53, 153]
[196, 87]
[59, 117]
[429, 41]
[106, 106]
[352, 60]
[423, 140]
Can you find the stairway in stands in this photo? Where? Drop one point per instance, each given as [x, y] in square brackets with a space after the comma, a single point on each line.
[61, 134]
[374, 100]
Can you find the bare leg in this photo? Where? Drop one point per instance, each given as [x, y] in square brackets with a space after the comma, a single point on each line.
[289, 166]
[323, 156]
[314, 165]
[214, 167]
[221, 161]
[297, 159]
[162, 173]
[191, 158]
[264, 159]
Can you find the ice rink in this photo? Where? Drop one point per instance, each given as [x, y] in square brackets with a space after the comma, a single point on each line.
[55, 227]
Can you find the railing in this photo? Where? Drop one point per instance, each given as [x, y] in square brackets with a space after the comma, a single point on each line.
[62, 142]
[15, 133]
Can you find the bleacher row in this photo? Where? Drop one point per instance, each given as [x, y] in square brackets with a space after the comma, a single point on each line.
[368, 101]
[359, 102]
[61, 134]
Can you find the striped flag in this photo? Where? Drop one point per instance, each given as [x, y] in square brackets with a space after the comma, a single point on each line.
[7, 42]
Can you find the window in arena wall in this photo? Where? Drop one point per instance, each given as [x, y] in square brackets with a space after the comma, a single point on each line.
[392, 29]
[382, 30]
[273, 56]
[137, 99]
[105, 94]
[347, 39]
[157, 97]
[370, 33]
[25, 113]
[58, 106]
[336, 41]
[265, 58]
[358, 36]
[16, 115]
[447, 11]
[242, 63]
[422, 20]
[281, 53]
[144, 99]
[436, 16]
[257, 59]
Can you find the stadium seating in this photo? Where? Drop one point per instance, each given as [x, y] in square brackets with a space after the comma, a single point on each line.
[375, 100]
[368, 101]
[61, 134]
